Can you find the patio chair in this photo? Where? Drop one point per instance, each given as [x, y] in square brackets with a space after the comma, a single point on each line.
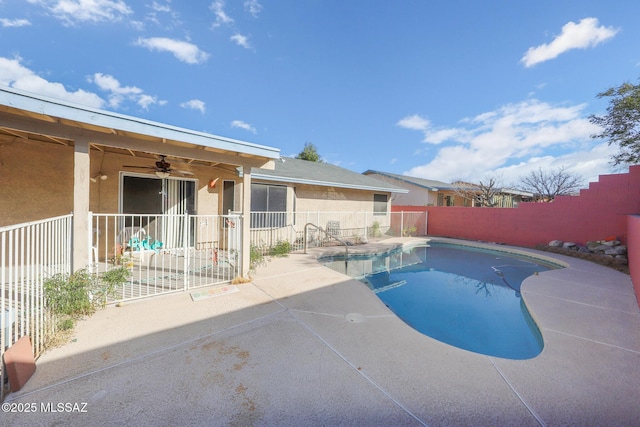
[130, 240]
[333, 232]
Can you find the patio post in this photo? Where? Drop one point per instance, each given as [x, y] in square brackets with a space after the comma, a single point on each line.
[81, 225]
[245, 247]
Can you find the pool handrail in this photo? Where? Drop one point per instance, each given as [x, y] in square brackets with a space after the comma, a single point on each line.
[317, 227]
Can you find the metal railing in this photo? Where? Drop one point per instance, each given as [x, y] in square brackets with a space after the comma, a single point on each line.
[327, 233]
[166, 253]
[29, 254]
[269, 229]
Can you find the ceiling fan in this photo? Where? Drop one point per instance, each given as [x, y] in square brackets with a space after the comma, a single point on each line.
[162, 168]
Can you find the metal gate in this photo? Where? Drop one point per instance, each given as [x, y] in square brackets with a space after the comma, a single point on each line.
[167, 253]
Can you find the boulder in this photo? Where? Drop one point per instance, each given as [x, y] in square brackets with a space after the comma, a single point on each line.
[621, 250]
[556, 243]
[592, 245]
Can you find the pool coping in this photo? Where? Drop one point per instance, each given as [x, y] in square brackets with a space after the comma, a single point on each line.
[302, 344]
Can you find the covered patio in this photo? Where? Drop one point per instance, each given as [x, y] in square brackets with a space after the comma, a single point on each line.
[59, 157]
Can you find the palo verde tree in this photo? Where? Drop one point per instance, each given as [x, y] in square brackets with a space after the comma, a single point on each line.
[621, 124]
[309, 153]
[547, 184]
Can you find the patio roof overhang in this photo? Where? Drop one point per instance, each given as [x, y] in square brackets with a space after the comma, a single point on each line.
[28, 117]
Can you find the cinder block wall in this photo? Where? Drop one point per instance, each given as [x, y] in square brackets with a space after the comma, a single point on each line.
[633, 229]
[600, 211]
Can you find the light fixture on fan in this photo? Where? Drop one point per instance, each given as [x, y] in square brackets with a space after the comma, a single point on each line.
[163, 174]
[100, 175]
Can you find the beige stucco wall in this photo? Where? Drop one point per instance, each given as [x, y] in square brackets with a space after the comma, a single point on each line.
[36, 181]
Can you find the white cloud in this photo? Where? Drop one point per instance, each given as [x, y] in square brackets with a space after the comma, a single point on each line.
[194, 104]
[514, 134]
[144, 101]
[117, 93]
[72, 11]
[253, 7]
[242, 125]
[14, 74]
[221, 16]
[584, 34]
[160, 7]
[13, 23]
[414, 122]
[184, 51]
[241, 40]
[587, 164]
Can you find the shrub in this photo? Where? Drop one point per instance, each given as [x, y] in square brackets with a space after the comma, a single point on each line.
[81, 293]
[281, 249]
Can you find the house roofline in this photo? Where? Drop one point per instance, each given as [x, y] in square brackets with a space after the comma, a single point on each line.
[46, 106]
[417, 184]
[275, 178]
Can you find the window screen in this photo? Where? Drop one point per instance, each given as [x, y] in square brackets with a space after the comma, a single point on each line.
[268, 205]
[380, 204]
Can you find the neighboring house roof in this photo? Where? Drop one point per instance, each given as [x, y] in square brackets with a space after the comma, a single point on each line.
[25, 106]
[433, 185]
[291, 170]
[429, 184]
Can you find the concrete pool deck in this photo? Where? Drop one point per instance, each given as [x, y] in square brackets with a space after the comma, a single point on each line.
[304, 345]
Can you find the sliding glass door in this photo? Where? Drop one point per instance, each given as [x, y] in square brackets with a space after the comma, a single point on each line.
[159, 206]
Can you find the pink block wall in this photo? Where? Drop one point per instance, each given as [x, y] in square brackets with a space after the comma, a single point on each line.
[599, 212]
[633, 244]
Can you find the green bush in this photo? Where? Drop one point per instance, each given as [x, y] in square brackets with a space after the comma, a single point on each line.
[81, 293]
[281, 249]
[256, 258]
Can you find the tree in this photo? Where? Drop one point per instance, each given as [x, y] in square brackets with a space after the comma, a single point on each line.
[621, 124]
[309, 153]
[485, 193]
[547, 184]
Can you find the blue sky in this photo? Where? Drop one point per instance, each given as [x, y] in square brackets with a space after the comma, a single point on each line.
[441, 90]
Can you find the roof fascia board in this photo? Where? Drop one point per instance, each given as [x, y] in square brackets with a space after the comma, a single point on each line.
[131, 143]
[272, 178]
[14, 98]
[399, 178]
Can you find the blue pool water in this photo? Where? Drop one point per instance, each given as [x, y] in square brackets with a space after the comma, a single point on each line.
[466, 297]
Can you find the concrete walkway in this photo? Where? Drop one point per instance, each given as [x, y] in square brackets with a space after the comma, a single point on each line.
[304, 345]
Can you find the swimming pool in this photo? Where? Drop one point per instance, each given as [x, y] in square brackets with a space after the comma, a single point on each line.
[463, 296]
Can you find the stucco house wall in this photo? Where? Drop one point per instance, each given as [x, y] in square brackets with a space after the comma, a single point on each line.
[37, 181]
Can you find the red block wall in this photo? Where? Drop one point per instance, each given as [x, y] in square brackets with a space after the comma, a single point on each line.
[600, 211]
[633, 228]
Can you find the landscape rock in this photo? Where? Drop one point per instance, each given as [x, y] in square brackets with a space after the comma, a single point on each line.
[622, 250]
[609, 247]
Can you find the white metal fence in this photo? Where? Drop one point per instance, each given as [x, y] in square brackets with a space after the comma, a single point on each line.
[29, 254]
[271, 229]
[166, 253]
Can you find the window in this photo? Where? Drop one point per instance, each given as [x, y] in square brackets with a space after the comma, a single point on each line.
[380, 204]
[268, 205]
